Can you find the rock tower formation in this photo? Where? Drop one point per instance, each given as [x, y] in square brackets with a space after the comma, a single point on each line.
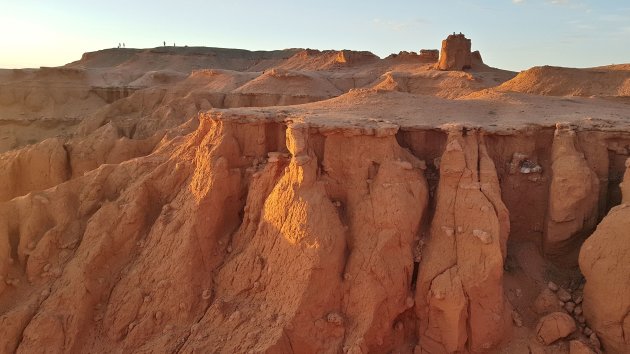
[455, 54]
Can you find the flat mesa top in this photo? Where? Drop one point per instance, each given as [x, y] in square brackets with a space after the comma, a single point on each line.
[491, 111]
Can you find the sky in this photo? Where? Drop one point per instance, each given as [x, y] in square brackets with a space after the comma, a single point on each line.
[510, 34]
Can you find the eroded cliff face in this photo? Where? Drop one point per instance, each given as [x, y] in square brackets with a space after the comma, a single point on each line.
[573, 197]
[460, 300]
[280, 245]
[260, 235]
[604, 262]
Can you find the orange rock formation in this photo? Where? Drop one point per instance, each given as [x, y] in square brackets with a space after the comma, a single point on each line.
[455, 53]
[301, 201]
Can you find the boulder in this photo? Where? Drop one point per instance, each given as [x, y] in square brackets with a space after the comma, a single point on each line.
[554, 326]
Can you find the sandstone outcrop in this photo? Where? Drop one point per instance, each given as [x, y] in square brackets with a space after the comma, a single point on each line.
[573, 198]
[604, 262]
[459, 298]
[37, 167]
[455, 53]
[430, 55]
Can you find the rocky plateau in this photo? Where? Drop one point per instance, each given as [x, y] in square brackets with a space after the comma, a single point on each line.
[208, 200]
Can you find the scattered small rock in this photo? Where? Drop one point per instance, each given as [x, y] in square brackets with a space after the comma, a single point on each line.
[569, 306]
[207, 294]
[578, 310]
[564, 295]
[553, 286]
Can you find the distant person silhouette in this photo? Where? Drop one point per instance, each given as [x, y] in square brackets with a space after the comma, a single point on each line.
[123, 45]
[165, 43]
[118, 45]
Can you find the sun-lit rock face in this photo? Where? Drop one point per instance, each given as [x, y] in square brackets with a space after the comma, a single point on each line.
[455, 53]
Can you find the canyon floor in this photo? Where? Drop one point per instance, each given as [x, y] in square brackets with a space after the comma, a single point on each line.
[207, 200]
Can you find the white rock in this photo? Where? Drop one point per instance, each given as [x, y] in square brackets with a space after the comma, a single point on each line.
[483, 236]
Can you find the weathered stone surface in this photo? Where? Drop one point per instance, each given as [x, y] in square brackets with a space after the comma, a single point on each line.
[573, 199]
[604, 262]
[579, 347]
[554, 326]
[459, 297]
[546, 302]
[429, 55]
[455, 53]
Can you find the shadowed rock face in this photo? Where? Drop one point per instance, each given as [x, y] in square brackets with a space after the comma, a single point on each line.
[574, 194]
[455, 53]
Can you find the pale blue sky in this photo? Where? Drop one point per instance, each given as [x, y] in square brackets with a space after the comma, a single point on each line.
[511, 34]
